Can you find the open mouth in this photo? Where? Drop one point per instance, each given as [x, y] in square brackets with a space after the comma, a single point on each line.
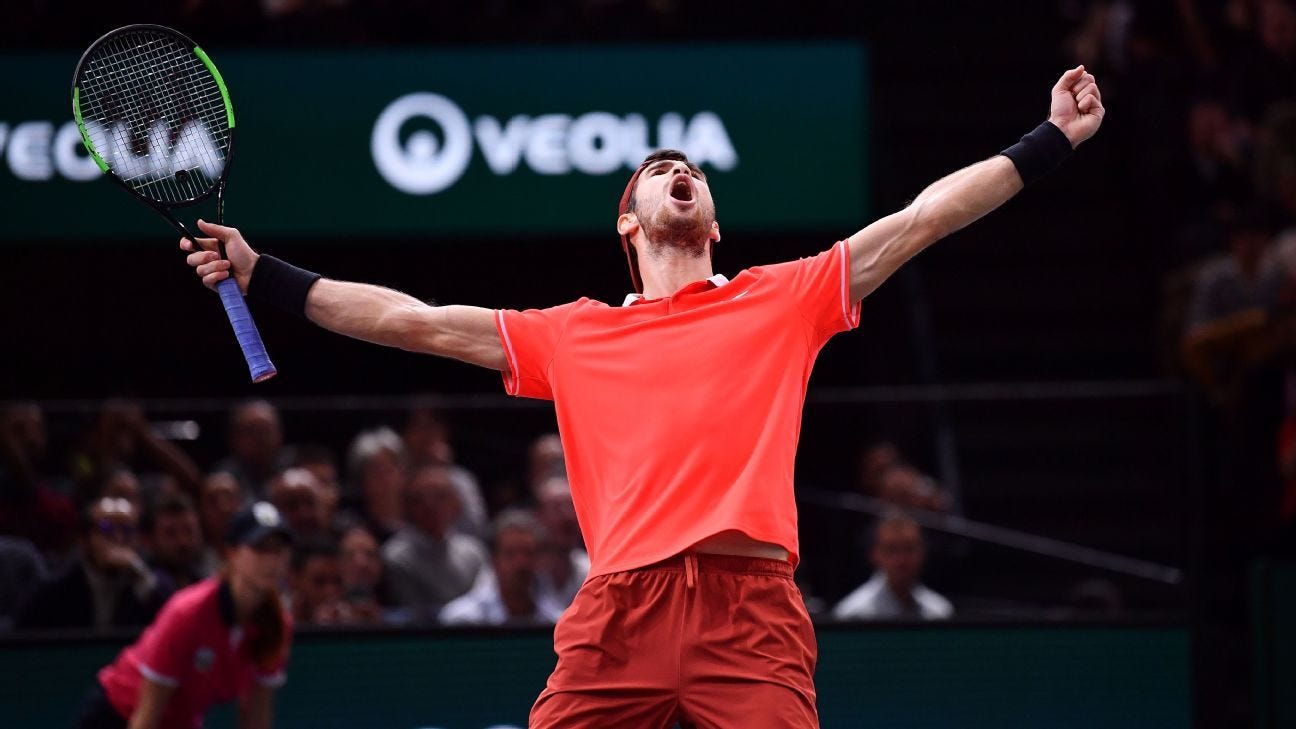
[681, 188]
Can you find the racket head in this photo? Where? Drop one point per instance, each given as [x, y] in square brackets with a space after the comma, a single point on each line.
[155, 114]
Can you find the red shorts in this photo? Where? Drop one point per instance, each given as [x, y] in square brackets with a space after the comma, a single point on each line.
[703, 640]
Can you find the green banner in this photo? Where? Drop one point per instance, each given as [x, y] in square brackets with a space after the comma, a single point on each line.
[900, 677]
[447, 143]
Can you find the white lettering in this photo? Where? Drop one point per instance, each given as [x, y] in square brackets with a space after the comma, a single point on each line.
[158, 160]
[594, 143]
[670, 132]
[546, 150]
[706, 141]
[29, 151]
[502, 148]
[70, 156]
[634, 136]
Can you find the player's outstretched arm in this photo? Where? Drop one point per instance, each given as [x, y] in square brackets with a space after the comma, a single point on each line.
[959, 199]
[372, 313]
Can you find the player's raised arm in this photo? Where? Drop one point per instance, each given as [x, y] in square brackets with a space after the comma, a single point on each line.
[956, 200]
[372, 313]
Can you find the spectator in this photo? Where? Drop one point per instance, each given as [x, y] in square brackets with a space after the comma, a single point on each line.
[1275, 169]
[545, 459]
[907, 487]
[507, 592]
[875, 461]
[427, 437]
[376, 465]
[122, 439]
[562, 564]
[108, 585]
[1265, 72]
[30, 507]
[894, 590]
[295, 492]
[1228, 328]
[427, 441]
[1210, 177]
[322, 464]
[1244, 279]
[219, 501]
[428, 564]
[317, 584]
[362, 577]
[22, 570]
[885, 475]
[174, 540]
[226, 638]
[120, 483]
[256, 447]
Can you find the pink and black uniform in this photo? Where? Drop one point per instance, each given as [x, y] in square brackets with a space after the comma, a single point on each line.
[196, 647]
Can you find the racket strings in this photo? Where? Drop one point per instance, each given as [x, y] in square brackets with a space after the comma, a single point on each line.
[156, 115]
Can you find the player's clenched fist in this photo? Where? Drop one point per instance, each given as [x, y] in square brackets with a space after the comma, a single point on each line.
[208, 264]
[1077, 107]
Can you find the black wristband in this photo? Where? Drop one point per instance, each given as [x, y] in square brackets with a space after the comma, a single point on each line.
[282, 284]
[1043, 149]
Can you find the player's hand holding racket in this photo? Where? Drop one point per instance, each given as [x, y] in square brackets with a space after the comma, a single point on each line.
[207, 262]
[156, 116]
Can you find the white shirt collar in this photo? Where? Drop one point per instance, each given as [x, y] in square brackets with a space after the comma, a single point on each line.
[718, 279]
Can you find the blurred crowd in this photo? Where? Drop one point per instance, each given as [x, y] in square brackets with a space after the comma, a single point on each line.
[393, 531]
[1207, 137]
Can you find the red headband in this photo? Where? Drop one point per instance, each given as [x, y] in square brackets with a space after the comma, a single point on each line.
[622, 209]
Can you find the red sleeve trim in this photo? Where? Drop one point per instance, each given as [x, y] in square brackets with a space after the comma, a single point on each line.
[511, 383]
[850, 312]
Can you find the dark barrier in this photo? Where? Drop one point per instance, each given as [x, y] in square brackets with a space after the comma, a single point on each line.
[893, 676]
[1274, 632]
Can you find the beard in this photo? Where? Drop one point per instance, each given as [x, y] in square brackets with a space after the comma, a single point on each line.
[687, 234]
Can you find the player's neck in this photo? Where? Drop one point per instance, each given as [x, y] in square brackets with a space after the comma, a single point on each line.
[666, 270]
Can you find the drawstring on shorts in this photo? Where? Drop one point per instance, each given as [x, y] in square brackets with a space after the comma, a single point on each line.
[690, 570]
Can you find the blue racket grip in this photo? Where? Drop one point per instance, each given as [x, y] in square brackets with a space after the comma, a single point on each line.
[245, 330]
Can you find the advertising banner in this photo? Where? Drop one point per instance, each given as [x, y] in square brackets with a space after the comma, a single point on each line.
[485, 141]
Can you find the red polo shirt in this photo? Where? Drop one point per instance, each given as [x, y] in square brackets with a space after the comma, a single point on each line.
[679, 416]
[194, 647]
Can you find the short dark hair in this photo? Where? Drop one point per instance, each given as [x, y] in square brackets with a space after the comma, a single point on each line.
[516, 519]
[308, 549]
[892, 517]
[170, 504]
[671, 155]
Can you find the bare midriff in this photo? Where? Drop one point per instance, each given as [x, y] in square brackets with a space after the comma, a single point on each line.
[734, 542]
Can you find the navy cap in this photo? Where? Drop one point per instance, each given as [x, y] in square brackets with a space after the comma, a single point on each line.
[255, 522]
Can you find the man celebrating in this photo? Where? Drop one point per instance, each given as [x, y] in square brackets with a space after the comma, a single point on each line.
[679, 412]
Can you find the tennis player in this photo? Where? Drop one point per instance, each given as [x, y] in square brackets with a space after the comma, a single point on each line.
[221, 639]
[679, 413]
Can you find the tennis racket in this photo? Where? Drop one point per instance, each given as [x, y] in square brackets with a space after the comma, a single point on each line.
[155, 115]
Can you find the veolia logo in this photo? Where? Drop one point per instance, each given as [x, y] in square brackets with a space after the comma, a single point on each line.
[420, 166]
[38, 151]
[421, 162]
[159, 158]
